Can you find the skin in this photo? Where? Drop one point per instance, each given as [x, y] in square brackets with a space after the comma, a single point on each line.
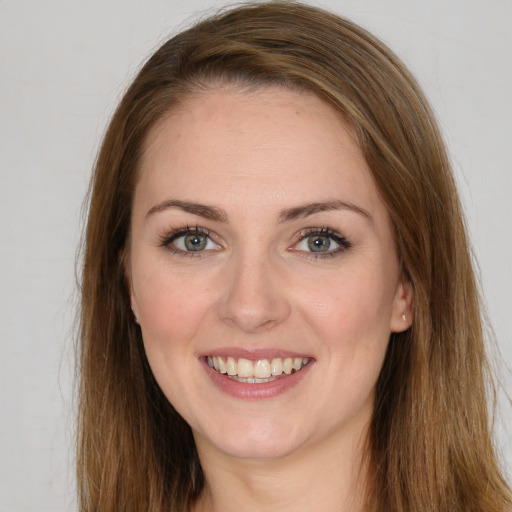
[256, 156]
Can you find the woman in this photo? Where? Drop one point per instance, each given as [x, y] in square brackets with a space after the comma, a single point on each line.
[279, 308]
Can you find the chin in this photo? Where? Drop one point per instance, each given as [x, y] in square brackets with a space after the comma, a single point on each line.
[259, 440]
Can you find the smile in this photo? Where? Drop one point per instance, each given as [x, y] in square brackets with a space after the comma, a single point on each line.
[256, 372]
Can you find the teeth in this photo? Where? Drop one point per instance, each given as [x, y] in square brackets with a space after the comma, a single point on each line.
[231, 366]
[262, 370]
[277, 366]
[245, 368]
[297, 364]
[252, 380]
[222, 365]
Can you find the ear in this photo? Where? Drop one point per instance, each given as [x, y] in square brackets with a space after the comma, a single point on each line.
[135, 308]
[124, 261]
[401, 316]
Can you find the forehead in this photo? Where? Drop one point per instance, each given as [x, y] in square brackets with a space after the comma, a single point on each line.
[263, 111]
[254, 145]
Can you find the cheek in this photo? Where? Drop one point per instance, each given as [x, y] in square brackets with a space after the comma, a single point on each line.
[171, 314]
[171, 308]
[351, 317]
[350, 302]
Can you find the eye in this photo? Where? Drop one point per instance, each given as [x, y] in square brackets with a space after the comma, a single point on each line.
[321, 242]
[189, 240]
[193, 242]
[318, 243]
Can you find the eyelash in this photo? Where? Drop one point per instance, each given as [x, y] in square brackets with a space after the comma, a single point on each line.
[167, 240]
[343, 242]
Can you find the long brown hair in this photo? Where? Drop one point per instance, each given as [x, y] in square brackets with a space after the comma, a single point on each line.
[429, 444]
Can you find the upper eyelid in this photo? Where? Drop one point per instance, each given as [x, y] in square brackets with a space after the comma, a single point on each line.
[326, 231]
[337, 237]
[173, 234]
[189, 230]
[168, 240]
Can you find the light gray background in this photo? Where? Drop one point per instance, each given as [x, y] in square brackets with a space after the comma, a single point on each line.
[64, 65]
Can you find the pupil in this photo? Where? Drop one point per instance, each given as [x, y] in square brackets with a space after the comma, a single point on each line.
[319, 243]
[195, 242]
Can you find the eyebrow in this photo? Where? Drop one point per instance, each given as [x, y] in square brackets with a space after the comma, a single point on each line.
[202, 210]
[310, 209]
[286, 215]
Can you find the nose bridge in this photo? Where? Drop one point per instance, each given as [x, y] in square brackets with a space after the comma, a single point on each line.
[253, 300]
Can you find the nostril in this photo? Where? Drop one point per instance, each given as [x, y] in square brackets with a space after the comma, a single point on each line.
[259, 314]
[253, 299]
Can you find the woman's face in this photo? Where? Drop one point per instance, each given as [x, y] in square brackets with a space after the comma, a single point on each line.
[259, 245]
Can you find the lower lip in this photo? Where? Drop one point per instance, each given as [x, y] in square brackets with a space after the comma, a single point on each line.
[255, 391]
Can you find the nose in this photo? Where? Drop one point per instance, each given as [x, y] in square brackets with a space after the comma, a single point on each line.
[255, 296]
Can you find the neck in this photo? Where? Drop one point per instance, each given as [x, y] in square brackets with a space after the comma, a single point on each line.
[329, 477]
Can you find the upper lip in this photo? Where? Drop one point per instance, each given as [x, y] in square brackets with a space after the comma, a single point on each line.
[254, 354]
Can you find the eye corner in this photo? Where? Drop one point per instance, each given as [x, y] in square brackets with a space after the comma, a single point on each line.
[309, 239]
[176, 241]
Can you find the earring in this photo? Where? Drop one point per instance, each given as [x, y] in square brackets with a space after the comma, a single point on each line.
[404, 318]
